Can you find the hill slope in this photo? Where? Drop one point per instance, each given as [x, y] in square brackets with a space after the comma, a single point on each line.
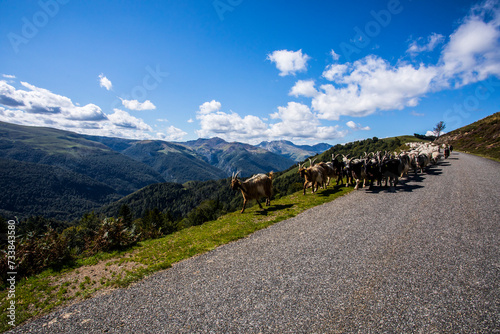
[481, 137]
[73, 152]
[176, 163]
[54, 192]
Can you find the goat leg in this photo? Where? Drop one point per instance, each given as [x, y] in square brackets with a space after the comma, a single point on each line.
[260, 206]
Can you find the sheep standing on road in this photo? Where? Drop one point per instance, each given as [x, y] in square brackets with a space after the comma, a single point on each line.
[257, 186]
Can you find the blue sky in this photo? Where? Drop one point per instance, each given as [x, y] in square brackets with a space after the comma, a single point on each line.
[248, 71]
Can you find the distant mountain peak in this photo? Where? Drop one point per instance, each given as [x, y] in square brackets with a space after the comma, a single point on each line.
[211, 142]
[292, 151]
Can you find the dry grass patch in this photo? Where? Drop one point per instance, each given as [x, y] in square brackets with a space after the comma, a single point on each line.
[93, 277]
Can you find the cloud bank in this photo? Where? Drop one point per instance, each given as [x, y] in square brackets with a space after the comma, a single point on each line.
[40, 107]
[294, 122]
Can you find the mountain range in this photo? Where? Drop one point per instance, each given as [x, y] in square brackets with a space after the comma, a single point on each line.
[294, 152]
[62, 174]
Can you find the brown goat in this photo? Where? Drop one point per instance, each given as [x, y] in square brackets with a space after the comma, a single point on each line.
[257, 186]
[329, 170]
[314, 176]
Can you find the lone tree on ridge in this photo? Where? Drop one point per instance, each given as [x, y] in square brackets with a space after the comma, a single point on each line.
[439, 128]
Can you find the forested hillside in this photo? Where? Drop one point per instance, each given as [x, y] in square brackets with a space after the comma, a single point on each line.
[49, 191]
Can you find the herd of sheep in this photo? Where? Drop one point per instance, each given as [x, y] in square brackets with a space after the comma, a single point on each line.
[372, 167]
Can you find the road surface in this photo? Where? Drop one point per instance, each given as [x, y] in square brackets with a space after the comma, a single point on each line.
[422, 259]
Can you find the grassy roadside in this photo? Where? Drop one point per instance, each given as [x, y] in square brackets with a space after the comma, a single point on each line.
[42, 293]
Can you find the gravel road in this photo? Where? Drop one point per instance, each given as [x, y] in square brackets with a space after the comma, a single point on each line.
[422, 259]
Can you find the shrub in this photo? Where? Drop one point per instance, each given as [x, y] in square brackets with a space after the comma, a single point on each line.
[112, 235]
[34, 254]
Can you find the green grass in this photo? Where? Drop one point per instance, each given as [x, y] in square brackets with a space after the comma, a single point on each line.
[40, 294]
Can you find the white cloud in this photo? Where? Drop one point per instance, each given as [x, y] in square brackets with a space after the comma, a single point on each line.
[229, 126]
[8, 76]
[105, 82]
[89, 112]
[334, 72]
[40, 107]
[473, 52]
[357, 126]
[334, 55]
[295, 121]
[289, 62]
[351, 124]
[125, 120]
[432, 133]
[432, 41]
[304, 88]
[190, 120]
[41, 101]
[173, 134]
[136, 105]
[372, 84]
[209, 107]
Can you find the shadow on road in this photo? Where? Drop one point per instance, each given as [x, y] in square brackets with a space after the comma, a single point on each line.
[417, 177]
[408, 187]
[401, 186]
[434, 170]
